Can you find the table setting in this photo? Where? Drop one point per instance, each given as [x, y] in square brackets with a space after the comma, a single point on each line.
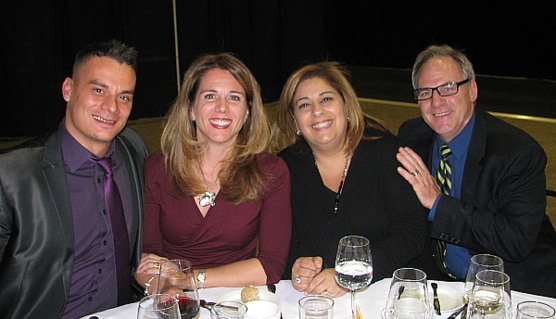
[485, 294]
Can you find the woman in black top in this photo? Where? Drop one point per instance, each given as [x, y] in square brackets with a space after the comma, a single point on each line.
[343, 181]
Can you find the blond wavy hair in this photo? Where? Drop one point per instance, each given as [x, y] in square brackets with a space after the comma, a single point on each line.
[240, 177]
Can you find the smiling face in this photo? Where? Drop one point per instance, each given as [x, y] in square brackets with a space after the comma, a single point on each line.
[219, 108]
[318, 110]
[446, 115]
[99, 99]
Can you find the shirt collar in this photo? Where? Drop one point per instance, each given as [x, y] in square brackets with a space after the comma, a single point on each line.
[460, 143]
[75, 155]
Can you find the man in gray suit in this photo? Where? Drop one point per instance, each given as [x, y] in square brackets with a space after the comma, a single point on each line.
[493, 197]
[63, 254]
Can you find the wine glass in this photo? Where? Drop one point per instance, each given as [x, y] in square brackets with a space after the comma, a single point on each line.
[354, 265]
[176, 278]
[535, 310]
[408, 297]
[491, 296]
[478, 263]
[158, 306]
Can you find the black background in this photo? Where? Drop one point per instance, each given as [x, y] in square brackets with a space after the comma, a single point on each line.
[39, 41]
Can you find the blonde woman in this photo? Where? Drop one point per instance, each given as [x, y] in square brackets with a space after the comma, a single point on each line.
[212, 196]
[344, 181]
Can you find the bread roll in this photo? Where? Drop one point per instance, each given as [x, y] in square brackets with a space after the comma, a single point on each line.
[249, 293]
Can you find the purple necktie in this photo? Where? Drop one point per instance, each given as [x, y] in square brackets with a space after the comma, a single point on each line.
[119, 232]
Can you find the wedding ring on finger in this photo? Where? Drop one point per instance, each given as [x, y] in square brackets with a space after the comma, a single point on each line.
[156, 265]
[297, 280]
[326, 293]
[415, 172]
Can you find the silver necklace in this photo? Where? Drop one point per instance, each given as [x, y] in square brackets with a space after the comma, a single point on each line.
[341, 187]
[207, 198]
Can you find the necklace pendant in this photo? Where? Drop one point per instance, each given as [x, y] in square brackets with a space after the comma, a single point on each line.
[207, 199]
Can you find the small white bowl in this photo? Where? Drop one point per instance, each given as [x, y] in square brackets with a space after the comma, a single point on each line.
[262, 309]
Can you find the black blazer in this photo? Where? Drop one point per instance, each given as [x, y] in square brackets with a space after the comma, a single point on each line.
[503, 202]
[36, 224]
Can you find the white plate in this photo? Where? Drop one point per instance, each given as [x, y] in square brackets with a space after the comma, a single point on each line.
[450, 298]
[235, 295]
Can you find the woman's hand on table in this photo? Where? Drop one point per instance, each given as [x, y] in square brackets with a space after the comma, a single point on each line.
[308, 276]
[304, 270]
[325, 284]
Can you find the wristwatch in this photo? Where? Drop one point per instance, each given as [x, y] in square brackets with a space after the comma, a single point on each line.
[201, 278]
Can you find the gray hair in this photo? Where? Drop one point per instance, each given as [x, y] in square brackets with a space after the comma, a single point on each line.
[433, 51]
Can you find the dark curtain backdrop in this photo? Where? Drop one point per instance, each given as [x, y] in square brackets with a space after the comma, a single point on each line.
[40, 38]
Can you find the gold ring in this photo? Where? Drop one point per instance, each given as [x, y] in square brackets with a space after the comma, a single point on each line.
[297, 280]
[326, 292]
[156, 265]
[415, 172]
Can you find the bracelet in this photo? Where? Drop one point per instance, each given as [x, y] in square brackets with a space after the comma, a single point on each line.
[148, 284]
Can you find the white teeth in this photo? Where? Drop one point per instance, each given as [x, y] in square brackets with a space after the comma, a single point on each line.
[220, 122]
[321, 125]
[442, 114]
[98, 118]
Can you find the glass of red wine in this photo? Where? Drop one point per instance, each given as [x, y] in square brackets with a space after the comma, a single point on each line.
[176, 279]
[158, 306]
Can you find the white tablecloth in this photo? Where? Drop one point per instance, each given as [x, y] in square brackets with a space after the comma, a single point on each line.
[371, 301]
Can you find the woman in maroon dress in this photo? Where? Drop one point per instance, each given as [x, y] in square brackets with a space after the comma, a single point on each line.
[212, 196]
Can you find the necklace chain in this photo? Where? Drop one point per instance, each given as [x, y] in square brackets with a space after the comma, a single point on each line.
[341, 186]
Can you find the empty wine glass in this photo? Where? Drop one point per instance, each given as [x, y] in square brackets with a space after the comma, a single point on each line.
[176, 279]
[408, 297]
[158, 306]
[478, 263]
[354, 265]
[491, 296]
[534, 310]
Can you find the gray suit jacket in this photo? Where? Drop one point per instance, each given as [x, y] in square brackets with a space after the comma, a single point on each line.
[36, 224]
[502, 205]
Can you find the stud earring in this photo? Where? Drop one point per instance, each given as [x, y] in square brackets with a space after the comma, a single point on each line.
[298, 133]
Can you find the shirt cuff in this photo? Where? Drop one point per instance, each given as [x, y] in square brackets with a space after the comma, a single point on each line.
[432, 213]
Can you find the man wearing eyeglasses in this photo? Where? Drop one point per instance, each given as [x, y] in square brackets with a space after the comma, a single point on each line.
[482, 179]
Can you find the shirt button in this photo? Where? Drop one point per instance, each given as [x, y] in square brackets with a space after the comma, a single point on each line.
[90, 298]
[98, 180]
[100, 271]
[105, 243]
[104, 211]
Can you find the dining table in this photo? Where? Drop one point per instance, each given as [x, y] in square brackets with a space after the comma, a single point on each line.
[371, 301]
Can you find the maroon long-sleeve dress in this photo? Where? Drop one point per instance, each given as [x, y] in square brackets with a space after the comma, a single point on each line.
[175, 228]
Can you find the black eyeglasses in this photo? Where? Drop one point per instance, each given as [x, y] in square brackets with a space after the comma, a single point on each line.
[447, 89]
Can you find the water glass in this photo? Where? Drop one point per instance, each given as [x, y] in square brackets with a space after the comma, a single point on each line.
[313, 307]
[159, 306]
[491, 296]
[408, 297]
[228, 310]
[534, 310]
[478, 263]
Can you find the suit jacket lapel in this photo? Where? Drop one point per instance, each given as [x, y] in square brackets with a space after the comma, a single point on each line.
[475, 154]
[55, 176]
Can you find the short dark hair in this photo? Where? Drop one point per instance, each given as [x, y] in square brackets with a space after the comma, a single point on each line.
[113, 49]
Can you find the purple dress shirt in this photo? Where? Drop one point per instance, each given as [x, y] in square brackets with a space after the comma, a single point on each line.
[93, 284]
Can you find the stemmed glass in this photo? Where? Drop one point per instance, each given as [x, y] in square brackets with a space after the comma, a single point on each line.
[176, 279]
[491, 295]
[479, 263]
[158, 306]
[354, 265]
